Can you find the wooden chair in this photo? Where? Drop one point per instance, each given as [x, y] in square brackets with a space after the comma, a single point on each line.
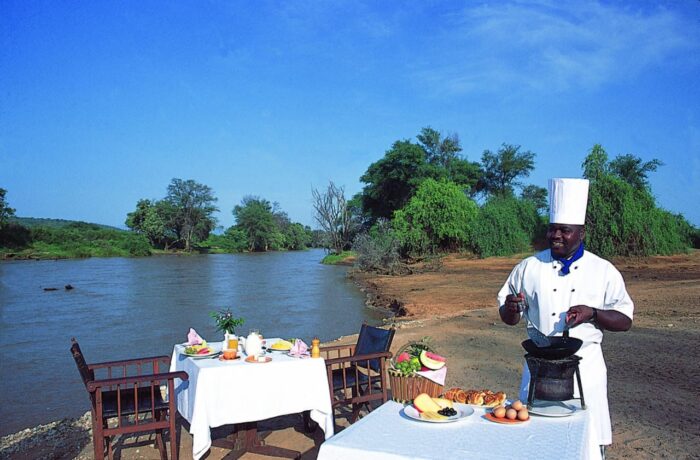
[357, 373]
[130, 399]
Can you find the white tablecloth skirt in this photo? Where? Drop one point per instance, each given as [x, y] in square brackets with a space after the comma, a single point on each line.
[221, 393]
[387, 434]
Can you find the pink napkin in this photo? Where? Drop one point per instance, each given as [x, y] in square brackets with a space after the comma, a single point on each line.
[193, 338]
[437, 376]
[299, 349]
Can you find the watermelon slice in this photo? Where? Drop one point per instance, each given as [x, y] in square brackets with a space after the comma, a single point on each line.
[431, 360]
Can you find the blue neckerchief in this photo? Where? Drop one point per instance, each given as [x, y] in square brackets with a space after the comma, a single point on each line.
[566, 263]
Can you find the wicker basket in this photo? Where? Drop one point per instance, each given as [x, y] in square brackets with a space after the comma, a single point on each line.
[404, 388]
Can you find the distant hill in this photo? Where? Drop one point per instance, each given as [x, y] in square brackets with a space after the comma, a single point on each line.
[32, 222]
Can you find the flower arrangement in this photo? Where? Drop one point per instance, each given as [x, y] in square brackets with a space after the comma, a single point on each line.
[225, 321]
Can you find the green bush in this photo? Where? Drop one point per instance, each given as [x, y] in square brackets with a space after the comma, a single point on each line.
[79, 240]
[438, 217]
[506, 226]
[625, 221]
[234, 239]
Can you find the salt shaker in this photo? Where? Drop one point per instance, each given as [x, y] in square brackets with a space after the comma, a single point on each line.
[315, 350]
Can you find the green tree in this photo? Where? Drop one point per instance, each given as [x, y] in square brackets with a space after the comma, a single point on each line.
[391, 181]
[537, 196]
[297, 237]
[12, 234]
[501, 170]
[595, 165]
[194, 210]
[255, 217]
[622, 218]
[467, 174]
[5, 210]
[442, 154]
[152, 219]
[438, 217]
[439, 150]
[633, 170]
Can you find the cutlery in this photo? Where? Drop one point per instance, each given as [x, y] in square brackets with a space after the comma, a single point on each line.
[535, 334]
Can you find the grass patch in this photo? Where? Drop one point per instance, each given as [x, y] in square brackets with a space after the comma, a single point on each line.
[345, 257]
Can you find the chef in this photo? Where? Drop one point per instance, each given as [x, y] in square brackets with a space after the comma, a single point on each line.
[566, 285]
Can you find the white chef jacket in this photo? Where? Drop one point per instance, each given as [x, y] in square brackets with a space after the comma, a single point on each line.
[592, 281]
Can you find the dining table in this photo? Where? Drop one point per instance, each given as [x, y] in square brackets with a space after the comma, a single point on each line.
[395, 432]
[222, 392]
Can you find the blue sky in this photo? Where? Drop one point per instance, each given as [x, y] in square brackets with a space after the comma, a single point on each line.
[103, 103]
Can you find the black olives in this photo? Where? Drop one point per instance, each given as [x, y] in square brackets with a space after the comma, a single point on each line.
[447, 412]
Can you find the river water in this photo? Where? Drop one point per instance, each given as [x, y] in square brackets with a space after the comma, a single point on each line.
[126, 308]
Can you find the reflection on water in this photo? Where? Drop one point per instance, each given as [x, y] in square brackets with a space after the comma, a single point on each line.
[122, 308]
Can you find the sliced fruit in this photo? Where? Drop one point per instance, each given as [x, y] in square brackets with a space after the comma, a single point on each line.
[429, 362]
[403, 357]
[443, 403]
[424, 403]
[434, 356]
[432, 416]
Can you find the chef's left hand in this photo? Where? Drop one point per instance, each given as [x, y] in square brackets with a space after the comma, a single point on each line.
[578, 314]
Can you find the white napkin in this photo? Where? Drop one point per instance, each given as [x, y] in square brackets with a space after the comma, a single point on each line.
[437, 376]
[193, 338]
[299, 349]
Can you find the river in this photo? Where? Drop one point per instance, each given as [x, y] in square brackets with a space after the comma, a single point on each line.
[133, 307]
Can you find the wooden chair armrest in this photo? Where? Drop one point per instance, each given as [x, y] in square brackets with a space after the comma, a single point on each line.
[358, 358]
[125, 362]
[94, 385]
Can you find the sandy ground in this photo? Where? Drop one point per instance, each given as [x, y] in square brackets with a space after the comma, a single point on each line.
[654, 375]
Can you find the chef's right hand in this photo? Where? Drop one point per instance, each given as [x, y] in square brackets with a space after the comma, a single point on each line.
[514, 303]
[511, 308]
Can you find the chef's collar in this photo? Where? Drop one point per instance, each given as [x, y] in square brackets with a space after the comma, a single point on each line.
[566, 263]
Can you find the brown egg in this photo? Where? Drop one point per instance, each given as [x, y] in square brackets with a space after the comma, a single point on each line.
[523, 414]
[517, 405]
[499, 412]
[511, 414]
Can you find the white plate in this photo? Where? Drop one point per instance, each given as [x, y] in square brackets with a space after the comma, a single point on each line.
[279, 349]
[553, 408]
[463, 411]
[207, 355]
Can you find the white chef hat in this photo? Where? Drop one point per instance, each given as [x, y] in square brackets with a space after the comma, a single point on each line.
[567, 201]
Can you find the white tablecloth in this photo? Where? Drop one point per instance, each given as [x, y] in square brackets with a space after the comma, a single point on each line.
[220, 393]
[387, 434]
